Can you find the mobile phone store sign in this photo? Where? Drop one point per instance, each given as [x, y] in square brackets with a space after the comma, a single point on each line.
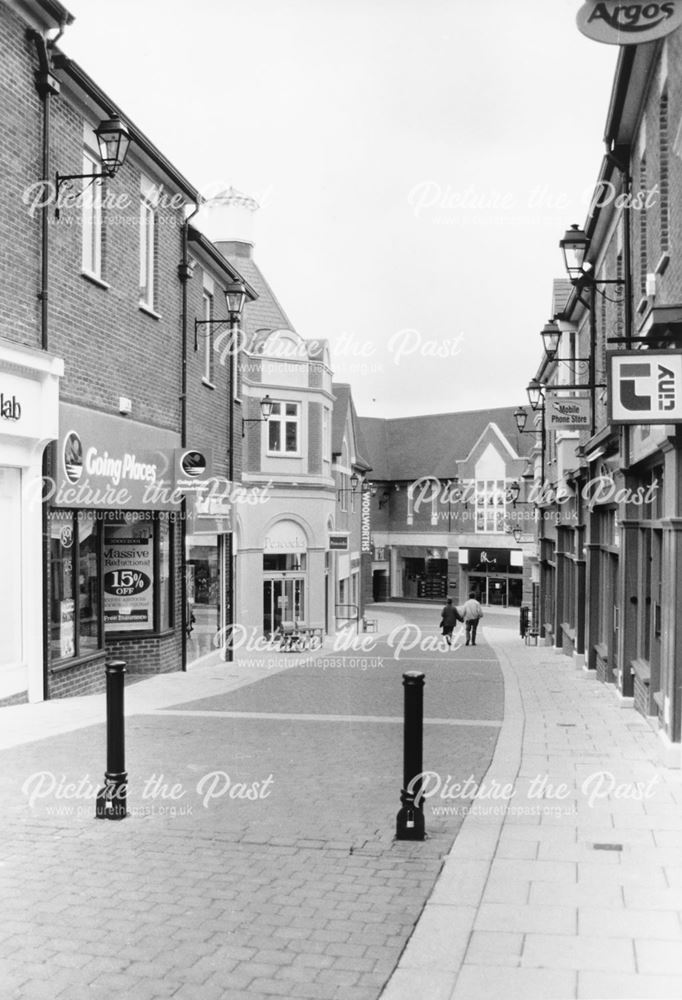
[568, 413]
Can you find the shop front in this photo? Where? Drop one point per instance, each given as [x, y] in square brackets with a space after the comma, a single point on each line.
[113, 533]
[209, 524]
[494, 575]
[285, 597]
[424, 573]
[29, 410]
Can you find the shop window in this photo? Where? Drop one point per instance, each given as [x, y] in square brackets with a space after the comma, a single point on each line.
[165, 574]
[137, 572]
[75, 611]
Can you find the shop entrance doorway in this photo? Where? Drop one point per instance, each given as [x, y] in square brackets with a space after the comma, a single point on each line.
[283, 600]
[497, 590]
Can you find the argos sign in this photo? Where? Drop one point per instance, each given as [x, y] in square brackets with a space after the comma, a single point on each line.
[617, 23]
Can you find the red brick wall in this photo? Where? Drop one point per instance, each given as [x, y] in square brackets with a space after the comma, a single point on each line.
[20, 165]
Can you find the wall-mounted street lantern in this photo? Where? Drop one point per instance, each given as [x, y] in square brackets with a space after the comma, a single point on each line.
[235, 300]
[536, 395]
[551, 337]
[266, 405]
[113, 140]
[574, 247]
[366, 487]
[513, 492]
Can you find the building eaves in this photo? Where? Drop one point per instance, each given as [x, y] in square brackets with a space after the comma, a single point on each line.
[224, 265]
[81, 81]
[56, 12]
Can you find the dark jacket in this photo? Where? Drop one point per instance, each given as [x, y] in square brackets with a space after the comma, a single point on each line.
[450, 616]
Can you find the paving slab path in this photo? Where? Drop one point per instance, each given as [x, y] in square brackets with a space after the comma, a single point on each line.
[259, 856]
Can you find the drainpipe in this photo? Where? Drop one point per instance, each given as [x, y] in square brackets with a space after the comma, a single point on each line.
[47, 86]
[184, 274]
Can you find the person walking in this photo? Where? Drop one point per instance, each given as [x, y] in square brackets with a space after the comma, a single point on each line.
[472, 612]
[449, 617]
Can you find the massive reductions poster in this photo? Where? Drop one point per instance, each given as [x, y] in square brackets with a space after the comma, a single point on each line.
[128, 582]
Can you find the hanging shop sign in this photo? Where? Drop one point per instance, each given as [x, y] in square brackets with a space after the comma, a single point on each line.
[616, 23]
[563, 413]
[366, 523]
[128, 579]
[209, 515]
[645, 387]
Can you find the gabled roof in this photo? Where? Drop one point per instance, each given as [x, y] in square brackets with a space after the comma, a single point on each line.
[343, 406]
[409, 447]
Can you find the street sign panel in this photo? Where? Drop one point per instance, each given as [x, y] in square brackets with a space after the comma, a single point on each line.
[567, 413]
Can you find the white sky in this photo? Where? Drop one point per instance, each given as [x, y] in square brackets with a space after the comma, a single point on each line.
[358, 124]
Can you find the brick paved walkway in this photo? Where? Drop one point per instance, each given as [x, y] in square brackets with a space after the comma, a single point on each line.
[298, 891]
[559, 892]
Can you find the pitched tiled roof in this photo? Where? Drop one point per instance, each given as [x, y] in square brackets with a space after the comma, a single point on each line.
[265, 314]
[409, 447]
[342, 404]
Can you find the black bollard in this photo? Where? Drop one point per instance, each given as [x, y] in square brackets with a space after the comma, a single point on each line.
[410, 819]
[111, 800]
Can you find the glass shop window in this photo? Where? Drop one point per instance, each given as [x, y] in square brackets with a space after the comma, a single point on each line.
[74, 600]
[137, 567]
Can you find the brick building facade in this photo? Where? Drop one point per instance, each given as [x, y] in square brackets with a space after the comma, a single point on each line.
[100, 355]
[445, 508]
[610, 587]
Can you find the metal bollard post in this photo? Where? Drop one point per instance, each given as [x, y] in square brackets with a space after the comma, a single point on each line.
[410, 818]
[111, 800]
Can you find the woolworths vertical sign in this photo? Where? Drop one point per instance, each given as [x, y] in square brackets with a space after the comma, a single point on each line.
[617, 23]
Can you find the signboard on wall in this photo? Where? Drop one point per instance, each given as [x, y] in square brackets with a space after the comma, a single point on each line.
[645, 387]
[110, 462]
[567, 413]
[20, 406]
[339, 543]
[128, 582]
[616, 23]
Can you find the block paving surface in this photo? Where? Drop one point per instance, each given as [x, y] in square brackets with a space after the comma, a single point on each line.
[572, 886]
[259, 858]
